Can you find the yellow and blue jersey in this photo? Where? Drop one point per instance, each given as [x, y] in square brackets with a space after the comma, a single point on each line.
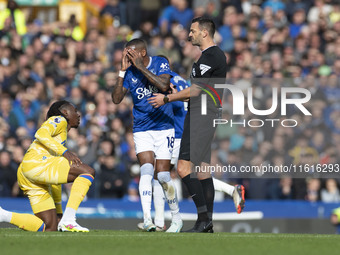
[50, 138]
[43, 168]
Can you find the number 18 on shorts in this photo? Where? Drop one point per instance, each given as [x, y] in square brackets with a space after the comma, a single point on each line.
[161, 142]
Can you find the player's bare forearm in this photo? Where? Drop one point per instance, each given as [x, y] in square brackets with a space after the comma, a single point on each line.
[158, 99]
[162, 82]
[118, 92]
[185, 94]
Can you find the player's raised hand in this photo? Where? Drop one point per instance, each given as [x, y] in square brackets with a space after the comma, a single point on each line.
[125, 61]
[157, 100]
[136, 58]
[72, 159]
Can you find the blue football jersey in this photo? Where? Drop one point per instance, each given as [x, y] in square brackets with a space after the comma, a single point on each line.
[180, 108]
[145, 116]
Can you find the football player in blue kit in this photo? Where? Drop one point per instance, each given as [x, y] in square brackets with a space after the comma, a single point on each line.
[153, 129]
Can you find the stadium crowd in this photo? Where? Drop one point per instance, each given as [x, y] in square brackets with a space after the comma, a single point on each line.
[268, 44]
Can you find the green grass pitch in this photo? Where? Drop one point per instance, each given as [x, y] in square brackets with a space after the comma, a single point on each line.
[16, 241]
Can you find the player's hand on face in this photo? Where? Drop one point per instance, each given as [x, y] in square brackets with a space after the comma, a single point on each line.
[135, 57]
[157, 100]
[72, 159]
[125, 61]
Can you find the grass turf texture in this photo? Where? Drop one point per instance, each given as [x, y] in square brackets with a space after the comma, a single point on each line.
[16, 241]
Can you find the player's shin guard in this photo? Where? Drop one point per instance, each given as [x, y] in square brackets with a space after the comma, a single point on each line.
[170, 193]
[145, 189]
[158, 201]
[28, 222]
[79, 190]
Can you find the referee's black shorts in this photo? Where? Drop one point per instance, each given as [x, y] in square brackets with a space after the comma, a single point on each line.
[198, 134]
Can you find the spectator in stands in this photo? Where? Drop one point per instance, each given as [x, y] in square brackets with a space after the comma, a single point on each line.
[177, 12]
[320, 10]
[113, 178]
[298, 22]
[313, 189]
[113, 13]
[8, 174]
[7, 114]
[330, 194]
[13, 17]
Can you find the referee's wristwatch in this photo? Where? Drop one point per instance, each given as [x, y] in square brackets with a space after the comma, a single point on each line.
[165, 99]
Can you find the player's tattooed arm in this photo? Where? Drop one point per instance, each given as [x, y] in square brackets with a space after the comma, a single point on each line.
[119, 91]
[162, 82]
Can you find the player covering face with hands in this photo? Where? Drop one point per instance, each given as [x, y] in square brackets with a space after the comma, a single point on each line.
[153, 129]
[46, 165]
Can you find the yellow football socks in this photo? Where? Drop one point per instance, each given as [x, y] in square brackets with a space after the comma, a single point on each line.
[79, 190]
[27, 222]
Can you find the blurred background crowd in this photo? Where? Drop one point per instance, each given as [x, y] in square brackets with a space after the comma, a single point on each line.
[268, 44]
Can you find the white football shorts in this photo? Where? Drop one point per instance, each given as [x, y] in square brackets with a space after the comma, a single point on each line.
[161, 142]
[175, 151]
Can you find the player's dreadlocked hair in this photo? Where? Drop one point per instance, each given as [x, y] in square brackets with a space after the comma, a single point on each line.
[55, 108]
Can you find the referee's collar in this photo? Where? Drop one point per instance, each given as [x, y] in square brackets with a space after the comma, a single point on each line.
[209, 47]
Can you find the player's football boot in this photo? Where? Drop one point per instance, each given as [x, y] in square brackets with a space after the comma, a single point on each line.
[149, 226]
[175, 227]
[140, 226]
[160, 229]
[238, 197]
[2, 214]
[71, 226]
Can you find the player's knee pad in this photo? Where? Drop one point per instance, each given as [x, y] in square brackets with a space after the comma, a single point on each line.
[146, 169]
[164, 177]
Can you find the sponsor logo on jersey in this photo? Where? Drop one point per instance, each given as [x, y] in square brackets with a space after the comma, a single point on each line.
[153, 89]
[204, 68]
[142, 92]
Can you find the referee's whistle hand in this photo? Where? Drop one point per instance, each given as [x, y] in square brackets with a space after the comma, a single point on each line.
[156, 100]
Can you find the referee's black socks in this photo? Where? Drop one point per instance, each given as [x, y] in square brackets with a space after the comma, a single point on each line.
[196, 192]
[209, 195]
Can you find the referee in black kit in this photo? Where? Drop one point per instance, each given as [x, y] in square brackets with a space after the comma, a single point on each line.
[195, 150]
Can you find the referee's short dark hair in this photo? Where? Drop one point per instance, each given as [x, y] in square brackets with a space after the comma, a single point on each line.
[205, 23]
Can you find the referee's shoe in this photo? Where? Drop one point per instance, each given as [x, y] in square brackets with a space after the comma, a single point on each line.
[202, 227]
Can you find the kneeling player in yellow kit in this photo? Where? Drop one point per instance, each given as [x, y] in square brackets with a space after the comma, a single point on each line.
[46, 165]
